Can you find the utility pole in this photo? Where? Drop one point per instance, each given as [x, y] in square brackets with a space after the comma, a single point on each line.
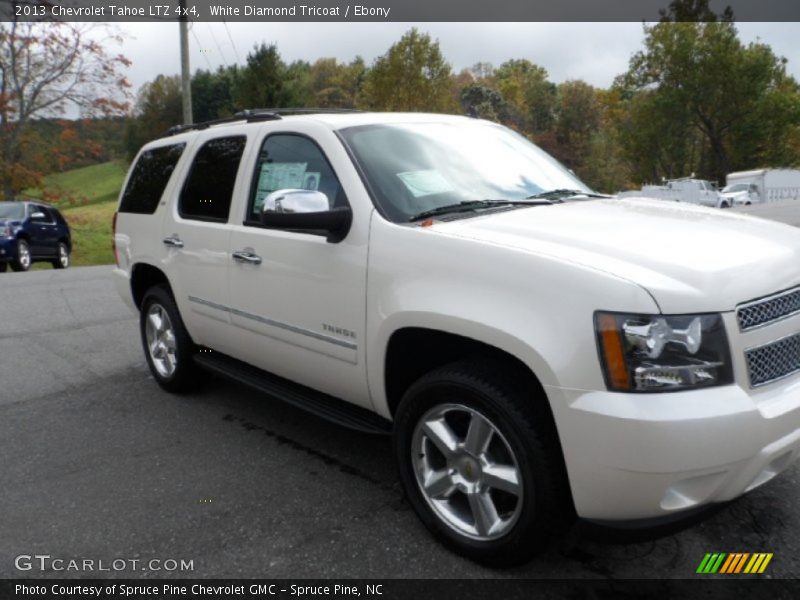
[186, 77]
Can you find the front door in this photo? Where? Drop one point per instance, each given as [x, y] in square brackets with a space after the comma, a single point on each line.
[299, 301]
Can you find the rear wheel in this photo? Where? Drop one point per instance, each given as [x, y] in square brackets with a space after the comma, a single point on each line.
[479, 463]
[167, 345]
[63, 259]
[23, 260]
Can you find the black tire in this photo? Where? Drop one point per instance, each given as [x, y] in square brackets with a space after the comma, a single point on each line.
[187, 375]
[725, 205]
[3, 267]
[498, 394]
[21, 265]
[64, 259]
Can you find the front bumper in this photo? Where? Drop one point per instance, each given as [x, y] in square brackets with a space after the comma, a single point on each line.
[637, 456]
[680, 451]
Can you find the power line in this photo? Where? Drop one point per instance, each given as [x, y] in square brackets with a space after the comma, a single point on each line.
[200, 47]
[233, 44]
[216, 43]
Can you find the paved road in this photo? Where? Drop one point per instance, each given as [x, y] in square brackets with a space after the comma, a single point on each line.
[786, 211]
[97, 462]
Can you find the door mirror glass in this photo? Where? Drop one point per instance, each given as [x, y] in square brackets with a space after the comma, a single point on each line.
[295, 201]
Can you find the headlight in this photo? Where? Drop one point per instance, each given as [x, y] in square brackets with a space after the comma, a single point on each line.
[5, 231]
[661, 353]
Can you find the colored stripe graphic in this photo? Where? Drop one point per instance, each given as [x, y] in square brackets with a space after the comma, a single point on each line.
[711, 562]
[724, 563]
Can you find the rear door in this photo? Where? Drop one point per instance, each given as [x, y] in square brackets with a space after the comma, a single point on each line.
[44, 231]
[195, 237]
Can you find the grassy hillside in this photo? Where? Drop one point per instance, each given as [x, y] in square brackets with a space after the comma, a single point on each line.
[88, 198]
[91, 233]
[87, 185]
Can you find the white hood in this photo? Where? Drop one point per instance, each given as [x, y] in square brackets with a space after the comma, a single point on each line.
[690, 258]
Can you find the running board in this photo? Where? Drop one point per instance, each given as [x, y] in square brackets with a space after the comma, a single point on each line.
[325, 406]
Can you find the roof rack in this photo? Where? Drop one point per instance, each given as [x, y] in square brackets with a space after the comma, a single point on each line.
[258, 114]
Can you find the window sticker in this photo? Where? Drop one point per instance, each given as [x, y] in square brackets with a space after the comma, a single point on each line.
[425, 183]
[279, 176]
[311, 181]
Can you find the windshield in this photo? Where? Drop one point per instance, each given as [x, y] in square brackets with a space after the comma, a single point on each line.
[737, 187]
[417, 167]
[12, 210]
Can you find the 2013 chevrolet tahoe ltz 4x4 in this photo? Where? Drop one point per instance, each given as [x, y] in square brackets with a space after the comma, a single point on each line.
[537, 351]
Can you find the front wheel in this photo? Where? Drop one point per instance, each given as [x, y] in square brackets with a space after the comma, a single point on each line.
[480, 464]
[62, 262]
[167, 345]
[23, 260]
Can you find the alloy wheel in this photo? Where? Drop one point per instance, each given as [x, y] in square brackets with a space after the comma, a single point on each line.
[161, 343]
[467, 471]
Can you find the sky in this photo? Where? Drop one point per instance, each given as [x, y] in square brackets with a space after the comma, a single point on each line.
[594, 52]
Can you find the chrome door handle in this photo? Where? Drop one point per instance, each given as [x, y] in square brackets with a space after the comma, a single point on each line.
[174, 242]
[245, 256]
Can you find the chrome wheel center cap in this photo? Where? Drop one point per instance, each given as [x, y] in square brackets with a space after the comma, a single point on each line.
[469, 469]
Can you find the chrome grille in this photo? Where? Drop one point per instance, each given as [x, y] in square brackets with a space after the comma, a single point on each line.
[773, 361]
[766, 310]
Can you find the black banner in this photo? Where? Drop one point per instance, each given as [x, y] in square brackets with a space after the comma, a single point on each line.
[399, 589]
[380, 10]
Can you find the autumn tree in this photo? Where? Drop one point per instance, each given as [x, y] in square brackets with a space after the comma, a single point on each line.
[158, 107]
[527, 88]
[720, 105]
[577, 121]
[266, 81]
[336, 84]
[412, 76]
[212, 93]
[51, 70]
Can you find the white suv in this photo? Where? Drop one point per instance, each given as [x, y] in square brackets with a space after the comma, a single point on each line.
[536, 350]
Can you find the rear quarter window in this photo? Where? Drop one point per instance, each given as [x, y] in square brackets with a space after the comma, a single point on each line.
[149, 178]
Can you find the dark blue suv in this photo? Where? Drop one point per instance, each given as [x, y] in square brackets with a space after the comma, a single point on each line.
[33, 232]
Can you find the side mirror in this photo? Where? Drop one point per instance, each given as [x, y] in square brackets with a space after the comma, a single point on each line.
[38, 216]
[308, 211]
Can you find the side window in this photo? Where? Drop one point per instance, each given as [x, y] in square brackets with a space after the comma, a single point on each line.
[289, 161]
[149, 178]
[206, 195]
[36, 209]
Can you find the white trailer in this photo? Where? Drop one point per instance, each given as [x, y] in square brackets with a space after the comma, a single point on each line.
[762, 186]
[687, 189]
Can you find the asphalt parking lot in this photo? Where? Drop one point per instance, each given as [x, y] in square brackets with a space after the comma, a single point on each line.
[97, 462]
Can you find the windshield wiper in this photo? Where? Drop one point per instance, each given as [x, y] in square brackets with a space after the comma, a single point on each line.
[472, 205]
[559, 195]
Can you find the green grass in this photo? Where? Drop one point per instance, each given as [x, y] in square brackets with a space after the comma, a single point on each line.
[91, 233]
[94, 184]
[87, 198]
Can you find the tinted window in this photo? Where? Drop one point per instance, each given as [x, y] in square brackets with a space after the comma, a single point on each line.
[12, 210]
[58, 216]
[47, 218]
[209, 186]
[149, 178]
[292, 162]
